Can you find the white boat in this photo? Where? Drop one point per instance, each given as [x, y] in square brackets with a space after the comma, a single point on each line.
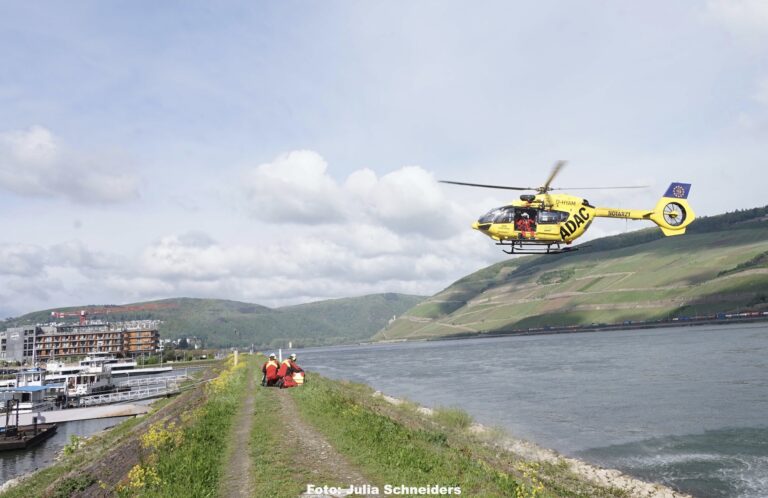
[80, 383]
[30, 377]
[31, 391]
[75, 380]
[101, 362]
[31, 398]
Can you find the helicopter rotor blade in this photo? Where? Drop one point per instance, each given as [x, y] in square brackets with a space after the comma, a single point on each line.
[599, 188]
[486, 186]
[555, 170]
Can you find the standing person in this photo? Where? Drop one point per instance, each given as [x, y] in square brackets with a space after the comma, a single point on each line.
[525, 226]
[287, 369]
[269, 369]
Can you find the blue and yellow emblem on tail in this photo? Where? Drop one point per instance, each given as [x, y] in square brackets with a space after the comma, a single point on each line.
[678, 191]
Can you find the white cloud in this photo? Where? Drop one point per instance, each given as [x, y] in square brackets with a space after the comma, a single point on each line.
[22, 260]
[368, 234]
[75, 254]
[761, 94]
[290, 271]
[410, 200]
[35, 147]
[294, 188]
[297, 188]
[314, 270]
[747, 19]
[26, 260]
[34, 162]
[136, 288]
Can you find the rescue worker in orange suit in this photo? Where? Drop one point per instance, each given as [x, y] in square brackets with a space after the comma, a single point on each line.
[287, 369]
[525, 226]
[269, 369]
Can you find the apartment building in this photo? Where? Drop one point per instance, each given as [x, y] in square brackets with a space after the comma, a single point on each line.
[43, 342]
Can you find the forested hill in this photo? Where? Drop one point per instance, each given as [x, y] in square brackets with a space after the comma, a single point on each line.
[719, 265]
[224, 323]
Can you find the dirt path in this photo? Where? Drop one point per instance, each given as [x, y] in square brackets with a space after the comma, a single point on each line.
[236, 481]
[316, 453]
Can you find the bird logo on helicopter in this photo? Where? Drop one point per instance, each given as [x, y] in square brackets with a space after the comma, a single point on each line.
[545, 223]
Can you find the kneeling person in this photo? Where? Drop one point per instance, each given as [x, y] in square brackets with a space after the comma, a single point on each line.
[288, 369]
[269, 369]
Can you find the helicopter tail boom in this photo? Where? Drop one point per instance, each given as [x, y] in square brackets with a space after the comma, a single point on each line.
[672, 213]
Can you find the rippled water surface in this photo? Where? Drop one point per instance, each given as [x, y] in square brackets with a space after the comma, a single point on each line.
[18, 462]
[684, 406]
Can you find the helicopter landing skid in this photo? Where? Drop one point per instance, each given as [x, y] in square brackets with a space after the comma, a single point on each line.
[534, 247]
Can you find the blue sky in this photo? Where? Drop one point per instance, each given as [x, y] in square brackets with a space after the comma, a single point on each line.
[283, 152]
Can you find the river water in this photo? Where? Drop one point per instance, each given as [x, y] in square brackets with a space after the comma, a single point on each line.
[19, 462]
[687, 407]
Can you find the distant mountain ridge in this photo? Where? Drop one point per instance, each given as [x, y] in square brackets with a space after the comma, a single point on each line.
[720, 265]
[222, 323]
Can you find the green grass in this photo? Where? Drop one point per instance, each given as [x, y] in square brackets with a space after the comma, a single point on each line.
[556, 276]
[91, 450]
[454, 418]
[636, 276]
[399, 444]
[274, 472]
[434, 309]
[390, 451]
[72, 485]
[190, 461]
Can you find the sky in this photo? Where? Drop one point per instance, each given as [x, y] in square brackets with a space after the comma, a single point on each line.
[288, 152]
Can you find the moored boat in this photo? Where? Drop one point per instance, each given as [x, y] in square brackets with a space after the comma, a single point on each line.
[24, 436]
[14, 436]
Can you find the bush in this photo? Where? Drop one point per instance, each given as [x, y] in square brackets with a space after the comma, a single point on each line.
[454, 418]
[71, 485]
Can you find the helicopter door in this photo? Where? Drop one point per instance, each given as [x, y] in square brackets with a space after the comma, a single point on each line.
[532, 215]
[549, 223]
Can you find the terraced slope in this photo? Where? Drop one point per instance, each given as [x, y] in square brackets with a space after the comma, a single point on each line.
[721, 265]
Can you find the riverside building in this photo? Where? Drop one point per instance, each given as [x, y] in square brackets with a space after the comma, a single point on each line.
[43, 342]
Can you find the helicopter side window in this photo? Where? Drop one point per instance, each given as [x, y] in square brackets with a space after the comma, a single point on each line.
[498, 215]
[490, 216]
[552, 217]
[507, 215]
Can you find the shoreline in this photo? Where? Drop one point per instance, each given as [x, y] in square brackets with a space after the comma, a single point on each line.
[612, 478]
[445, 442]
[607, 327]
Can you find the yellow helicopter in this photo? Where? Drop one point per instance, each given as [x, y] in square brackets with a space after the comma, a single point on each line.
[546, 223]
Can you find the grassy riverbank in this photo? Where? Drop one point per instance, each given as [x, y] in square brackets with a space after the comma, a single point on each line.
[325, 433]
[401, 443]
[166, 451]
[184, 457]
[61, 479]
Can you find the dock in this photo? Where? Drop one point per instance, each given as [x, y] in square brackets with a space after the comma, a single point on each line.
[72, 414]
[135, 394]
[24, 436]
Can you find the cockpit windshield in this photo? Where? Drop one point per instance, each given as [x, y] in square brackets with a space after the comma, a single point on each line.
[504, 214]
